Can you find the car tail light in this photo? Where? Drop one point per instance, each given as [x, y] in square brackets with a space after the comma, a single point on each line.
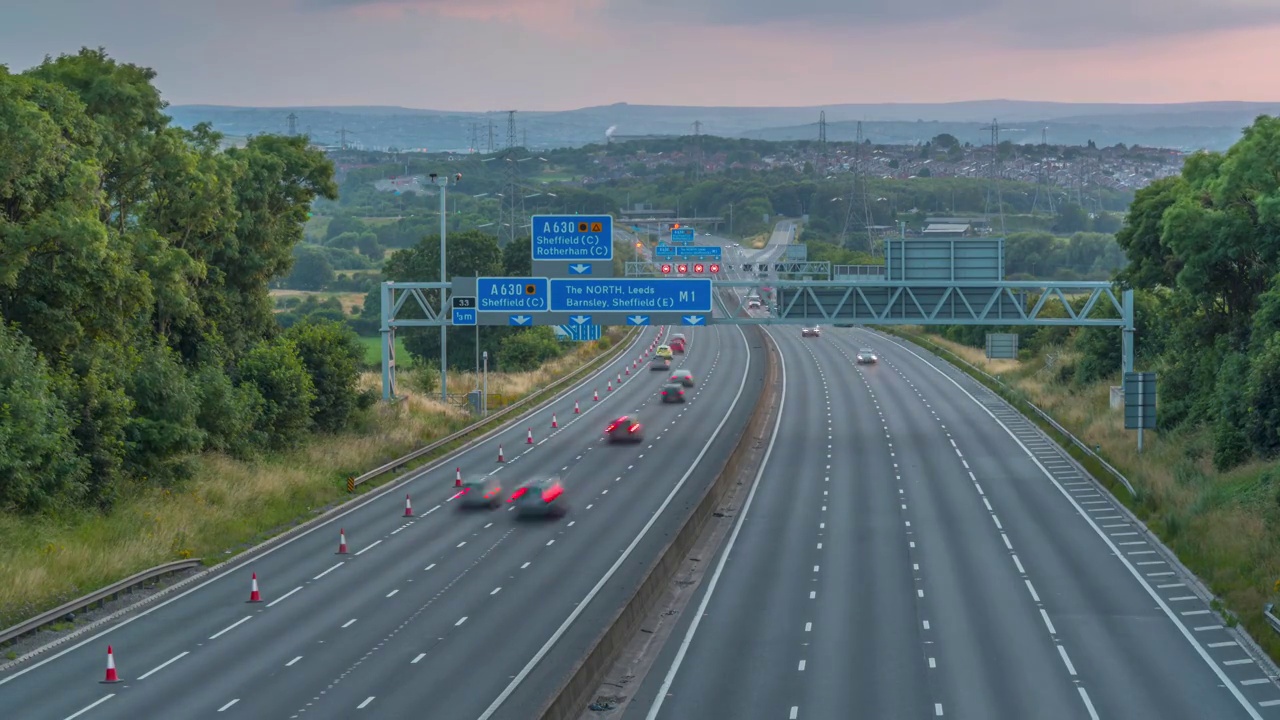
[612, 427]
[634, 428]
[464, 491]
[664, 392]
[551, 494]
[518, 494]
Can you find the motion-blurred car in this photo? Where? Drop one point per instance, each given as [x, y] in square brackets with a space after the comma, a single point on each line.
[480, 492]
[684, 377]
[673, 392]
[810, 332]
[663, 351]
[844, 325]
[625, 429]
[677, 343]
[753, 303]
[539, 497]
[660, 363]
[866, 356]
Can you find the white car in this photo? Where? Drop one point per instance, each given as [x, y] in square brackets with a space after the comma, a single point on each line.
[810, 332]
[866, 356]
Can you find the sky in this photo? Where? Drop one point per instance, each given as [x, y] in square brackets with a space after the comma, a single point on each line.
[480, 55]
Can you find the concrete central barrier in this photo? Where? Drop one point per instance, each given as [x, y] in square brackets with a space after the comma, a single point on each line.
[573, 695]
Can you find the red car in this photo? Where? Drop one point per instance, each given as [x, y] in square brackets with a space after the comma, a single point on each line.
[676, 345]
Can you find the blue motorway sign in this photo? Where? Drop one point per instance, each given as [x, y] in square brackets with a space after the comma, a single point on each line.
[682, 235]
[583, 333]
[684, 295]
[464, 316]
[572, 237]
[637, 319]
[520, 320]
[511, 294]
[710, 251]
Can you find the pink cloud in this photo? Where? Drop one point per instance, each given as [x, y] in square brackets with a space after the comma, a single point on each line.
[540, 14]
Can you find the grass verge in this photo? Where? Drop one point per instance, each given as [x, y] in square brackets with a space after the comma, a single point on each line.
[757, 242]
[373, 352]
[1224, 526]
[229, 505]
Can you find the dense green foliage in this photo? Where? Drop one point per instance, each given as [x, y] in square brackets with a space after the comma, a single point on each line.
[135, 258]
[1204, 260]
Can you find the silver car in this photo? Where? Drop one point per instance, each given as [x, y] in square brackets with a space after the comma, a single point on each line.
[480, 492]
[682, 376]
[540, 497]
[866, 356]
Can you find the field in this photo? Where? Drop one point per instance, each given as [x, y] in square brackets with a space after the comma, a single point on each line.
[227, 504]
[373, 352]
[1224, 526]
[351, 301]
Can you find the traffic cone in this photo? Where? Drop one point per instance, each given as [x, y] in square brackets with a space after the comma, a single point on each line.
[408, 507]
[619, 378]
[627, 371]
[529, 438]
[576, 411]
[457, 478]
[112, 677]
[500, 454]
[254, 595]
[609, 388]
[553, 421]
[595, 395]
[342, 542]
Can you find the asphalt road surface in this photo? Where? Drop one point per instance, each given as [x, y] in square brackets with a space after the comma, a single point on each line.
[904, 555]
[448, 614]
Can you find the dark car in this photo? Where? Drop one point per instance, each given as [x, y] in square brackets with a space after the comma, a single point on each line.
[480, 492]
[540, 497]
[625, 429]
[673, 393]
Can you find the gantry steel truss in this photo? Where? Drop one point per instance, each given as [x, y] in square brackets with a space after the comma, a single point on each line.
[866, 302]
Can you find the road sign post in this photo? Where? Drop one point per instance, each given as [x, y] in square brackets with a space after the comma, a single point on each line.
[572, 245]
[1139, 402]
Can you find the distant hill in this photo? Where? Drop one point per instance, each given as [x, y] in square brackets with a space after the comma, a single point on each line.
[1185, 126]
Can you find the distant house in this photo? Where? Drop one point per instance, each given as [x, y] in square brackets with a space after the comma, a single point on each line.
[948, 230]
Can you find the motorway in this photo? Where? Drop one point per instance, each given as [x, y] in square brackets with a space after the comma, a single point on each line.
[903, 555]
[450, 614]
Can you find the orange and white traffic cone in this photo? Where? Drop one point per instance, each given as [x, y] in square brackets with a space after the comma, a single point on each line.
[254, 595]
[342, 542]
[609, 388]
[627, 371]
[595, 395]
[500, 454]
[112, 677]
[408, 506]
[529, 437]
[457, 478]
[576, 411]
[619, 378]
[553, 421]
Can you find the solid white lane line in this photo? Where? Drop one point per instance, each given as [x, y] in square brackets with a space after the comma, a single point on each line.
[365, 704]
[1088, 705]
[393, 592]
[417, 659]
[230, 627]
[495, 591]
[724, 556]
[795, 712]
[464, 619]
[163, 665]
[228, 705]
[291, 662]
[101, 700]
[429, 567]
[282, 597]
[349, 623]
[1186, 633]
[1063, 652]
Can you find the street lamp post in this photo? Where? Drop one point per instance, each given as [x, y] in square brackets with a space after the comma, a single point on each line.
[443, 183]
[484, 387]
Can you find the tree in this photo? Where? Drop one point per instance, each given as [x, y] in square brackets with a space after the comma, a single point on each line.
[332, 356]
[276, 369]
[311, 270]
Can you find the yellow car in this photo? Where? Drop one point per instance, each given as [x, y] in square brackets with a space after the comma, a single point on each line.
[663, 351]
